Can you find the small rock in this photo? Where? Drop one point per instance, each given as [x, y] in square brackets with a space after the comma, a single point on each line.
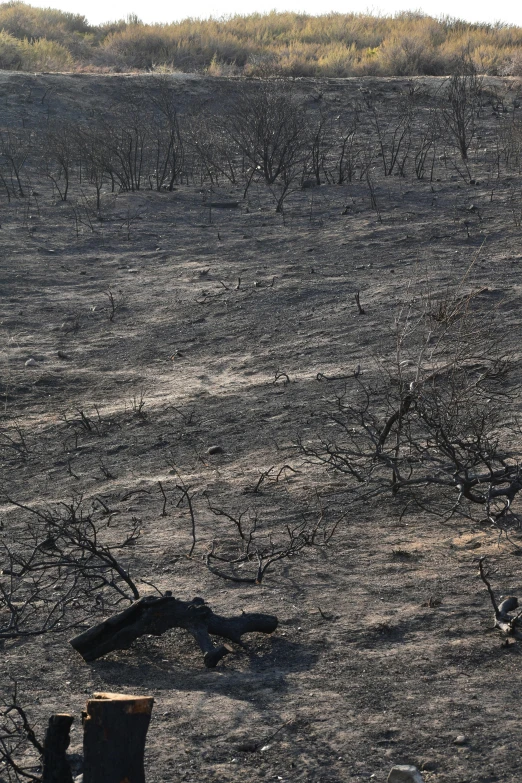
[30, 362]
[248, 747]
[461, 739]
[62, 355]
[214, 450]
[429, 766]
[404, 773]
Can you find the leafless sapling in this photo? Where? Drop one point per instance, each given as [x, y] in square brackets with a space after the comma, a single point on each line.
[461, 102]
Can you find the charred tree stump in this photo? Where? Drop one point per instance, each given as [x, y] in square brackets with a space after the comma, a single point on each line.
[153, 615]
[115, 728]
[56, 768]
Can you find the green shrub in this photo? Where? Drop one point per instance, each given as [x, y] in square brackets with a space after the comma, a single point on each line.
[23, 21]
[44, 55]
[11, 52]
[292, 44]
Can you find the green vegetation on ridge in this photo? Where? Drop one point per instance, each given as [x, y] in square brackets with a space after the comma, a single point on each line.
[286, 44]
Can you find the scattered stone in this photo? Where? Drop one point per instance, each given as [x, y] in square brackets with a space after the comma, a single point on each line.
[62, 355]
[31, 362]
[429, 766]
[248, 747]
[461, 739]
[214, 450]
[404, 773]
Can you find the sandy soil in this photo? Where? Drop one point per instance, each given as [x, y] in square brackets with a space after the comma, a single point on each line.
[384, 652]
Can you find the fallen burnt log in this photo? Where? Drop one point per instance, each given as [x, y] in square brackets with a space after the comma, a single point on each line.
[154, 615]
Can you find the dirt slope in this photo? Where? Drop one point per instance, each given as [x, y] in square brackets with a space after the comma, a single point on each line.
[384, 652]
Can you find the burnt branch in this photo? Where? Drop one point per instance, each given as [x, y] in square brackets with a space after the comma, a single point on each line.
[247, 557]
[433, 425]
[508, 623]
[58, 565]
[188, 498]
[18, 741]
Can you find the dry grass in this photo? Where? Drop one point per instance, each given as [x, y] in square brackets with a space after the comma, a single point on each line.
[291, 44]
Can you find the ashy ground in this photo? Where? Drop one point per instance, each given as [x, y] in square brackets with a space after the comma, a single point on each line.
[223, 320]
